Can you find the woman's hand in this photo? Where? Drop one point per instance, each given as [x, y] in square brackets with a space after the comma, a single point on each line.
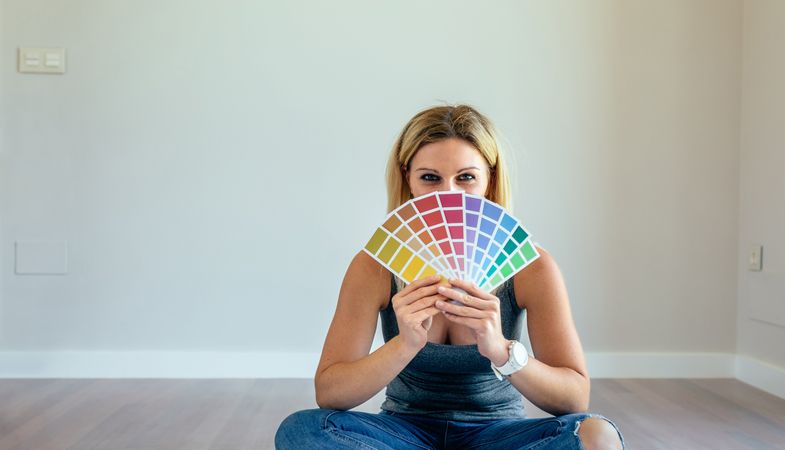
[480, 311]
[414, 311]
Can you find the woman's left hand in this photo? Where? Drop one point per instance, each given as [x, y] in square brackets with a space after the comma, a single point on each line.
[480, 311]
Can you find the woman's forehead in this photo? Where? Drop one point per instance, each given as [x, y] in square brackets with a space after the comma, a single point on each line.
[447, 153]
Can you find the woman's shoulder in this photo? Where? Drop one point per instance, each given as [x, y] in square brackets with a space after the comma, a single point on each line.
[542, 274]
[367, 276]
[543, 265]
[367, 265]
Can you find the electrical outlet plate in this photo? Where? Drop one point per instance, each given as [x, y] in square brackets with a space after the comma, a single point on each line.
[41, 60]
[755, 261]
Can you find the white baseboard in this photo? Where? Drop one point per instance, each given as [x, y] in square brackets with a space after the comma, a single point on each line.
[661, 365]
[762, 375]
[156, 364]
[136, 364]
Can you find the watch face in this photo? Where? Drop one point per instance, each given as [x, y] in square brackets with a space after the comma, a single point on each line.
[519, 353]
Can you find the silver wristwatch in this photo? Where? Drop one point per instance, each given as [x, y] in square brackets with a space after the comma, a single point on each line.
[518, 360]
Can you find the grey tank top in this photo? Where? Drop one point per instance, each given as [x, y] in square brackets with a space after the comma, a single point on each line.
[455, 382]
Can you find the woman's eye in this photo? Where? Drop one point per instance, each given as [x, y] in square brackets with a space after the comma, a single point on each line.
[429, 177]
[466, 177]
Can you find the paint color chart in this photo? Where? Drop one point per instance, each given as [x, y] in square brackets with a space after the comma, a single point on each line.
[453, 234]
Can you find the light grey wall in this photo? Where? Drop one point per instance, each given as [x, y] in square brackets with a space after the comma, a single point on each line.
[3, 247]
[761, 318]
[195, 152]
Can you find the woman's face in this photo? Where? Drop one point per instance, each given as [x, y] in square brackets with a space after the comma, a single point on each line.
[448, 165]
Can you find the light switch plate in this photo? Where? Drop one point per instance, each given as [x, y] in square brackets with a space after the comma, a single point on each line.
[41, 257]
[755, 261]
[41, 60]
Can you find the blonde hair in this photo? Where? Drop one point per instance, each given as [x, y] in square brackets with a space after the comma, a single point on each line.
[445, 122]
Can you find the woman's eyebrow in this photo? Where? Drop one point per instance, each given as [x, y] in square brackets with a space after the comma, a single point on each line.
[434, 170]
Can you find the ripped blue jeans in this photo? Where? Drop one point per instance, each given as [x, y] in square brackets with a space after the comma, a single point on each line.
[330, 429]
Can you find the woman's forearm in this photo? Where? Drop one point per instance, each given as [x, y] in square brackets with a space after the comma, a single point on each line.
[555, 390]
[345, 385]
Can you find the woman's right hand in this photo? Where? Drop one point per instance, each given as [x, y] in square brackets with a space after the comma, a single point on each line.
[414, 311]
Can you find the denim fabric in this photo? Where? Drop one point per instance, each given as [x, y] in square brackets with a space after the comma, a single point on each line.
[331, 429]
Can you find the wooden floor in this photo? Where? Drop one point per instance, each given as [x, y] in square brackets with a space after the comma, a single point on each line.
[244, 414]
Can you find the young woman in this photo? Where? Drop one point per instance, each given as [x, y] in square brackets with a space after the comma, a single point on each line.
[454, 373]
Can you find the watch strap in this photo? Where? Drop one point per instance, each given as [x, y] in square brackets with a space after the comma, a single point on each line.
[513, 364]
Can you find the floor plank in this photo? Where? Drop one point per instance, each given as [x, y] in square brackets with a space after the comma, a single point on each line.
[244, 414]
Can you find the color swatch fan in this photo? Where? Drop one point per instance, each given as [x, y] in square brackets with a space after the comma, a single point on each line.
[455, 235]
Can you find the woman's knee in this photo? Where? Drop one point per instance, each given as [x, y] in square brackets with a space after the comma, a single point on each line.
[300, 425]
[597, 432]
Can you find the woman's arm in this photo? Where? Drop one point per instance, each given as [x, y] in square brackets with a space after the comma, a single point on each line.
[556, 381]
[347, 375]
